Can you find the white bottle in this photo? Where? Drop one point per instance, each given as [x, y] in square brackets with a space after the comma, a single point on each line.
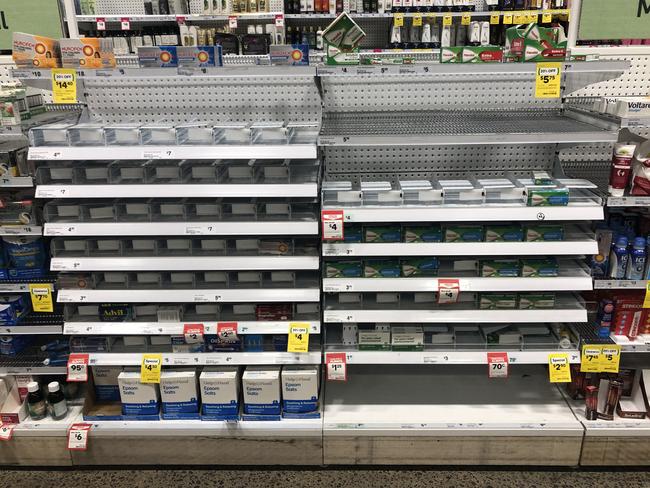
[310, 6]
[445, 36]
[485, 33]
[426, 32]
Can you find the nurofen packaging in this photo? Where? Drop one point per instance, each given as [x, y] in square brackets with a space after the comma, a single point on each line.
[199, 56]
[87, 52]
[179, 394]
[30, 51]
[261, 388]
[220, 393]
[299, 389]
[641, 171]
[158, 57]
[105, 378]
[139, 400]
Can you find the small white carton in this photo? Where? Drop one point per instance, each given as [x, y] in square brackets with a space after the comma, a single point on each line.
[300, 389]
[261, 385]
[220, 391]
[138, 398]
[179, 392]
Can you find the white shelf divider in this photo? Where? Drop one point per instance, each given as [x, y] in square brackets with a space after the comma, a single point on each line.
[207, 358]
[176, 328]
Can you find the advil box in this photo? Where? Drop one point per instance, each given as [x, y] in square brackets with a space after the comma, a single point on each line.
[88, 52]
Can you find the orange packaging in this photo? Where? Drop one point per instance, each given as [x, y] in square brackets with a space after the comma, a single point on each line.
[30, 51]
[87, 52]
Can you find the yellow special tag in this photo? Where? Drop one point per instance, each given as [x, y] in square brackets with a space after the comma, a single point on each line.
[558, 368]
[590, 359]
[431, 15]
[495, 19]
[547, 18]
[151, 368]
[519, 19]
[646, 300]
[446, 20]
[465, 18]
[64, 85]
[298, 337]
[41, 295]
[417, 20]
[548, 80]
[507, 18]
[610, 357]
[398, 20]
[532, 18]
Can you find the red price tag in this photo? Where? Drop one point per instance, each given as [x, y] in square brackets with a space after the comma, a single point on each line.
[125, 23]
[332, 225]
[448, 291]
[7, 432]
[180, 19]
[193, 333]
[279, 20]
[232, 22]
[78, 367]
[227, 331]
[78, 437]
[101, 23]
[336, 366]
[497, 364]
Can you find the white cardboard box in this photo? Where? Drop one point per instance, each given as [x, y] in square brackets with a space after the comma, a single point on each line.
[261, 386]
[300, 388]
[220, 390]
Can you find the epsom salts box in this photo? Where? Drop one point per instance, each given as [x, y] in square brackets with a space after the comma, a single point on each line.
[179, 393]
[261, 385]
[107, 388]
[137, 398]
[220, 392]
[299, 389]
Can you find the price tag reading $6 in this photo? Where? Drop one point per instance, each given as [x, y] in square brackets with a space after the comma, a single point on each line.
[78, 437]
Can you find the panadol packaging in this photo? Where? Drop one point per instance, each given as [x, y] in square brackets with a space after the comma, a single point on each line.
[220, 393]
[261, 385]
[179, 394]
[299, 389]
[139, 400]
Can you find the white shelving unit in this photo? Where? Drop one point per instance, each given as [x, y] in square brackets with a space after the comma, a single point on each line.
[443, 357]
[208, 358]
[176, 328]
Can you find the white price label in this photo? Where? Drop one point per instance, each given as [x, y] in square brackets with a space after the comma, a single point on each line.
[193, 333]
[6, 431]
[332, 225]
[125, 23]
[232, 22]
[448, 291]
[158, 154]
[37, 154]
[279, 20]
[101, 23]
[197, 230]
[17, 230]
[336, 364]
[497, 364]
[78, 437]
[50, 193]
[78, 367]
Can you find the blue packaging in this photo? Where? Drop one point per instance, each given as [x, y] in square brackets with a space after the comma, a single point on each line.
[261, 390]
[352, 233]
[383, 233]
[254, 343]
[618, 259]
[138, 398]
[107, 388]
[280, 342]
[12, 345]
[216, 343]
[199, 56]
[382, 268]
[179, 394]
[636, 262]
[13, 308]
[423, 233]
[158, 57]
[292, 54]
[220, 393]
[24, 252]
[23, 273]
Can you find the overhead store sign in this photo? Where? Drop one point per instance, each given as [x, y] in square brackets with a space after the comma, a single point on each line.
[615, 19]
[40, 17]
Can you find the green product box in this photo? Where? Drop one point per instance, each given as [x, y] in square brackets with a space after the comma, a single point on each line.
[407, 338]
[495, 301]
[343, 269]
[422, 233]
[536, 300]
[504, 233]
[551, 197]
[451, 55]
[419, 266]
[533, 43]
[481, 54]
[499, 268]
[382, 268]
[464, 233]
[374, 339]
[542, 178]
[545, 232]
[386, 233]
[542, 267]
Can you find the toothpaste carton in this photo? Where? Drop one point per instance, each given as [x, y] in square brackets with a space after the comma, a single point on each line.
[105, 378]
[179, 394]
[491, 268]
[382, 268]
[464, 233]
[550, 197]
[419, 266]
[539, 267]
[343, 269]
[481, 54]
[299, 389]
[138, 399]
[423, 233]
[392, 233]
[495, 301]
[546, 232]
[220, 393]
[504, 233]
[261, 387]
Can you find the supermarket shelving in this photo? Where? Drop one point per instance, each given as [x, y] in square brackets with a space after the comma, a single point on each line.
[177, 191]
[21, 230]
[639, 344]
[207, 358]
[628, 201]
[605, 284]
[197, 295]
[176, 328]
[185, 263]
[174, 18]
[224, 151]
[223, 228]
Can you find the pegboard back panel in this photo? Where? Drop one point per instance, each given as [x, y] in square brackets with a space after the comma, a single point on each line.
[422, 92]
[437, 160]
[634, 82]
[182, 99]
[119, 7]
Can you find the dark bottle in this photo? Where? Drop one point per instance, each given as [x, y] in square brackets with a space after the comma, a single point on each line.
[36, 401]
[520, 4]
[58, 407]
[508, 4]
[163, 7]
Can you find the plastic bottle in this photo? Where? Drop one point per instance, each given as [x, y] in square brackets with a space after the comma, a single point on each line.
[58, 407]
[35, 401]
[618, 259]
[637, 260]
